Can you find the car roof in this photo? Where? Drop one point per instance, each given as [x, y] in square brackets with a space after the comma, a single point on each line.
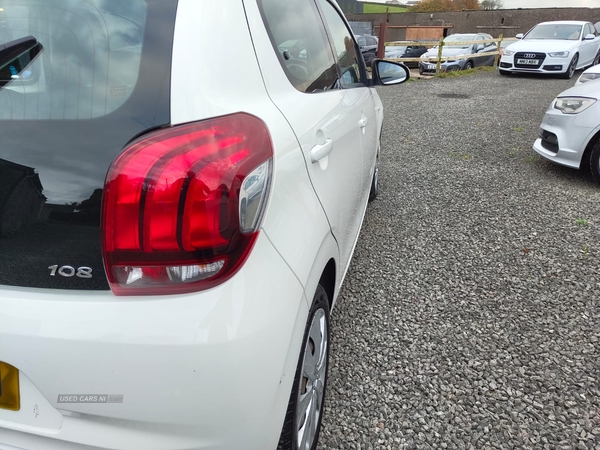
[465, 34]
[565, 22]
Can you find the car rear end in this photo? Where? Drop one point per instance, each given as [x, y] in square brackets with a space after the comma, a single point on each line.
[142, 303]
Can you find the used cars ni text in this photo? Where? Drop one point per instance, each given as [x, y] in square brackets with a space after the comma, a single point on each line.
[558, 48]
[175, 224]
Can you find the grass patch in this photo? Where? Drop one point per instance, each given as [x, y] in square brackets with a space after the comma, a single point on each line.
[462, 73]
[518, 129]
[585, 250]
[530, 159]
[369, 8]
[581, 222]
[457, 155]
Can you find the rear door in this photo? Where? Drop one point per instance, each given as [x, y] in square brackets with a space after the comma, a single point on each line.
[341, 38]
[319, 101]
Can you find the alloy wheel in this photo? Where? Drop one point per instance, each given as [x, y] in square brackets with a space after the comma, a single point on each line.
[311, 390]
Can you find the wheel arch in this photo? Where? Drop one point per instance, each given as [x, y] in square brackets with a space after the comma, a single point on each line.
[588, 149]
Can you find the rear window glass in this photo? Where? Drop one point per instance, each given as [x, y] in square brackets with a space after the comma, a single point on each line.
[83, 61]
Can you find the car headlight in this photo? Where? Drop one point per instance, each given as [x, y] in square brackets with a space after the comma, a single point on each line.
[559, 54]
[508, 53]
[584, 78]
[573, 105]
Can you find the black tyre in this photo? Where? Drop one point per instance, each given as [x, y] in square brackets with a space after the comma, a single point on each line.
[504, 72]
[469, 65]
[596, 59]
[375, 181]
[595, 161]
[571, 69]
[303, 421]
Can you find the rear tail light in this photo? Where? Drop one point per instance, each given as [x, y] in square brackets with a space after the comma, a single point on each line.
[182, 206]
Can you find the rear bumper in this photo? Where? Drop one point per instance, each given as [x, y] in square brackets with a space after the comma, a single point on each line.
[211, 370]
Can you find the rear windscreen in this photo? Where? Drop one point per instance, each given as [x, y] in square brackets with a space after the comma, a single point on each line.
[79, 80]
[86, 61]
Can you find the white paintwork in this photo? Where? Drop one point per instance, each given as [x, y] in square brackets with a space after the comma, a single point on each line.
[211, 370]
[594, 69]
[574, 131]
[586, 49]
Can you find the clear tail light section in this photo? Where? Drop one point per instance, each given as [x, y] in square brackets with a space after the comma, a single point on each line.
[183, 206]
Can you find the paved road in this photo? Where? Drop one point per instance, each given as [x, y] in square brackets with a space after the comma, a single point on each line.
[470, 315]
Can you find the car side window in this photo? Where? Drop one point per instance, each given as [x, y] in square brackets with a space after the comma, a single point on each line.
[362, 41]
[343, 45]
[589, 29]
[299, 38]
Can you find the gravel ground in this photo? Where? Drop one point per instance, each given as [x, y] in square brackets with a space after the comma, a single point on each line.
[470, 315]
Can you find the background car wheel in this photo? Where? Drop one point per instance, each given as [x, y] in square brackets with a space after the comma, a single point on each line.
[504, 72]
[571, 70]
[596, 59]
[469, 65]
[595, 162]
[305, 409]
[375, 181]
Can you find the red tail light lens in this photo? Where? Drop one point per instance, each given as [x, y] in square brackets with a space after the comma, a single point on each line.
[176, 215]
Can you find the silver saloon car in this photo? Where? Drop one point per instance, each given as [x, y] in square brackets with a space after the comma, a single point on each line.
[570, 131]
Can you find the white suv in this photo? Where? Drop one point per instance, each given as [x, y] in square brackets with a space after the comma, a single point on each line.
[182, 184]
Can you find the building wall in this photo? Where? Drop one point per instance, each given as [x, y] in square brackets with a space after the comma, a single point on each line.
[351, 6]
[507, 21]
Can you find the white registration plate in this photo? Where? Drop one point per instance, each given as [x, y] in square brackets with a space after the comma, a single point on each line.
[529, 62]
[431, 66]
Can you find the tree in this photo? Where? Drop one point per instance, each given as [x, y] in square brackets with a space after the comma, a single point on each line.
[492, 4]
[444, 5]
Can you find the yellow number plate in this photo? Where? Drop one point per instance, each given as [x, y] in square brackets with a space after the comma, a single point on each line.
[9, 387]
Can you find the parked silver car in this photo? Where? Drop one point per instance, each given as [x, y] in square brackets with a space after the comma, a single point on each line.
[457, 46]
[570, 131]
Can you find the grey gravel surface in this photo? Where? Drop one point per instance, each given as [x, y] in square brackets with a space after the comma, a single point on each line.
[470, 315]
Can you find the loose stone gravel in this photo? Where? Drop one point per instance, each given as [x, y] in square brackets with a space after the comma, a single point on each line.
[469, 318]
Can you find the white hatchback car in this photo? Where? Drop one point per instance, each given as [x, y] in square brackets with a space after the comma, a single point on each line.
[558, 48]
[570, 131]
[182, 184]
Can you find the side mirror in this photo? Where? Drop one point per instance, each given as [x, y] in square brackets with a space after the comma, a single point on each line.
[388, 73]
[519, 36]
[589, 37]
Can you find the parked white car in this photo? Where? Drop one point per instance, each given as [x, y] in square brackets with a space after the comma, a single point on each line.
[176, 223]
[558, 48]
[591, 74]
[570, 131]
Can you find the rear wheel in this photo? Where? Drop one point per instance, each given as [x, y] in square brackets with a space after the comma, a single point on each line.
[596, 59]
[305, 409]
[595, 161]
[469, 65]
[571, 69]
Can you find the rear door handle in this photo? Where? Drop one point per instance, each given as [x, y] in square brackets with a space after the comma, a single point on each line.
[318, 152]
